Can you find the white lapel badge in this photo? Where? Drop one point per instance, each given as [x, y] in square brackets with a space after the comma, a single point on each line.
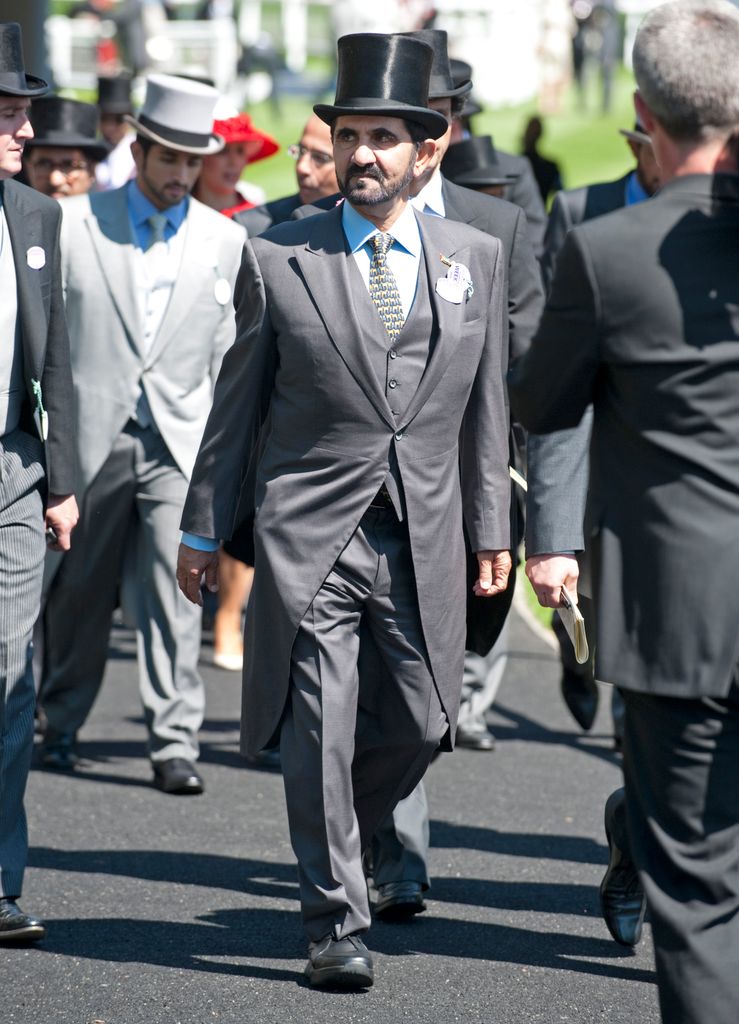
[457, 284]
[222, 291]
[36, 257]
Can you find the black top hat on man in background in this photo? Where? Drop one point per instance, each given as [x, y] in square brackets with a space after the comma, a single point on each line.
[58, 121]
[442, 83]
[462, 72]
[114, 94]
[474, 163]
[13, 78]
[384, 74]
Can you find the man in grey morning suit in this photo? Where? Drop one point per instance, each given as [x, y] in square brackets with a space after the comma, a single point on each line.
[37, 447]
[371, 366]
[652, 340]
[149, 274]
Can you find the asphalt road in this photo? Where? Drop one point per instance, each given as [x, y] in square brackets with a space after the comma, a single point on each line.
[167, 910]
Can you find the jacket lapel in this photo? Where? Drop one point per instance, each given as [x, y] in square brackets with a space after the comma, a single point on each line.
[110, 230]
[450, 316]
[327, 270]
[26, 230]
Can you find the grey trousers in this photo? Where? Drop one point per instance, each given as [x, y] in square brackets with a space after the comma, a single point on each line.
[681, 770]
[127, 538]
[22, 548]
[349, 752]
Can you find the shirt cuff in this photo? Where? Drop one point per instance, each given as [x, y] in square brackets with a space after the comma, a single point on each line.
[194, 540]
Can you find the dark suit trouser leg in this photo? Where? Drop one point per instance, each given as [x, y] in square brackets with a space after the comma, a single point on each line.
[681, 766]
[22, 549]
[400, 844]
[349, 752]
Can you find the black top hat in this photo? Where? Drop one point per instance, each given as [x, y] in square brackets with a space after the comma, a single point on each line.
[441, 83]
[384, 74]
[474, 163]
[57, 121]
[114, 94]
[462, 72]
[13, 79]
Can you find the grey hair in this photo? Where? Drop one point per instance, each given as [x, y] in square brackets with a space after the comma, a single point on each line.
[686, 63]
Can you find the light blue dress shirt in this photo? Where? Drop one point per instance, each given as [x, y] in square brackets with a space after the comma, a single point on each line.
[403, 259]
[140, 209]
[635, 192]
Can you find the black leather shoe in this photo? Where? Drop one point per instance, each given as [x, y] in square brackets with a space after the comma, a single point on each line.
[399, 901]
[269, 759]
[59, 753]
[339, 963]
[580, 694]
[622, 900]
[15, 926]
[473, 737]
[177, 776]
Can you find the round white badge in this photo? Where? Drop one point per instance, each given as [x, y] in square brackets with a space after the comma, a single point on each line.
[222, 291]
[36, 257]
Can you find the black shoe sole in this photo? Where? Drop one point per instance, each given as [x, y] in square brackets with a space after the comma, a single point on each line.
[22, 936]
[355, 974]
[180, 790]
[394, 912]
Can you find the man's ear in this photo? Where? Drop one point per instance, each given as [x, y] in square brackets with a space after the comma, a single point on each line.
[424, 156]
[643, 113]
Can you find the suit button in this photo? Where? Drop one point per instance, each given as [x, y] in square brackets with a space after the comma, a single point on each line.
[399, 436]
[393, 354]
[393, 384]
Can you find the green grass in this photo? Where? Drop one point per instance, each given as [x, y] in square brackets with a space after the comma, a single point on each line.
[586, 144]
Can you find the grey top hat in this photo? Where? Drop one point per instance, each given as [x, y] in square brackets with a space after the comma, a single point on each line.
[13, 78]
[637, 134]
[442, 83]
[58, 121]
[178, 113]
[384, 74]
[474, 163]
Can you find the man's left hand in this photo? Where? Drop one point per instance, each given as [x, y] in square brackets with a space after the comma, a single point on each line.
[495, 568]
[61, 516]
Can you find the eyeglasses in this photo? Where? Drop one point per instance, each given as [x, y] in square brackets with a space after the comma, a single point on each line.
[296, 151]
[67, 167]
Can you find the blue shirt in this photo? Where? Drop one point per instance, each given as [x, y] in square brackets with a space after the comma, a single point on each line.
[403, 258]
[140, 209]
[635, 192]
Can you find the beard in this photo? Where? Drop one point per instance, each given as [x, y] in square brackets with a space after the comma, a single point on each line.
[363, 194]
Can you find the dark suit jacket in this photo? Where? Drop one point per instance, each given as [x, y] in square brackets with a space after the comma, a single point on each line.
[506, 221]
[643, 322]
[524, 192]
[257, 220]
[33, 221]
[558, 463]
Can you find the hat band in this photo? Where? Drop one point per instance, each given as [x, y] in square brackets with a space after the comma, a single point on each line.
[175, 135]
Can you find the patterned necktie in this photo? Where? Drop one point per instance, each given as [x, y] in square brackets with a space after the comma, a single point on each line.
[383, 287]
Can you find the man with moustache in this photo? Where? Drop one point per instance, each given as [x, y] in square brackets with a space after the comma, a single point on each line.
[375, 338]
[37, 450]
[61, 158]
[149, 274]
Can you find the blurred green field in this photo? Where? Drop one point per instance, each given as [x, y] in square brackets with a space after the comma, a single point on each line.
[585, 143]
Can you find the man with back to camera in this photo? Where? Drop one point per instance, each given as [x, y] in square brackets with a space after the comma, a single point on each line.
[652, 340]
[376, 335]
[38, 463]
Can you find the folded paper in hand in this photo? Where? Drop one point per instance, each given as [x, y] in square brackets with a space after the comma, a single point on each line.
[574, 623]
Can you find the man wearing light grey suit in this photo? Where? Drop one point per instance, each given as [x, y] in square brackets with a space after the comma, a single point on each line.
[376, 338]
[36, 456]
[149, 274]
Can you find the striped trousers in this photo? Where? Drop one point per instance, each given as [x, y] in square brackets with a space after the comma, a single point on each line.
[22, 548]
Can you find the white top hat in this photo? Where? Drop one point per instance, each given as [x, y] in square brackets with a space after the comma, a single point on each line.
[178, 113]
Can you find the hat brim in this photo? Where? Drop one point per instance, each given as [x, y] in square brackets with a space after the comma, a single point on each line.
[173, 139]
[481, 176]
[432, 121]
[439, 91]
[34, 87]
[632, 136]
[97, 149]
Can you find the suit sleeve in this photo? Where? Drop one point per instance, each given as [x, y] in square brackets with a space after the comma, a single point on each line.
[241, 397]
[552, 386]
[486, 490]
[525, 193]
[559, 225]
[57, 387]
[525, 295]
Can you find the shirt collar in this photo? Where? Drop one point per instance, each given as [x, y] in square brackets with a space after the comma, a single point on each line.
[359, 230]
[141, 208]
[635, 192]
[430, 197]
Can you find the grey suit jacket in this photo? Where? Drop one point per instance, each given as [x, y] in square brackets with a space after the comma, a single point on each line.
[33, 222]
[303, 314]
[258, 220]
[558, 463]
[109, 362]
[642, 321]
